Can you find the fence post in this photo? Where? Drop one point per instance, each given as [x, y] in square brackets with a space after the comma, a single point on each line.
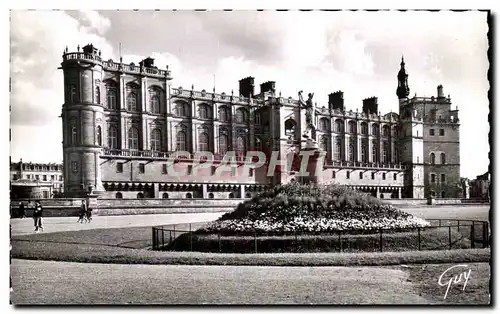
[485, 234]
[170, 237]
[162, 238]
[296, 242]
[218, 239]
[439, 222]
[174, 232]
[190, 239]
[419, 244]
[472, 237]
[154, 238]
[340, 241]
[449, 236]
[255, 240]
[380, 240]
[458, 225]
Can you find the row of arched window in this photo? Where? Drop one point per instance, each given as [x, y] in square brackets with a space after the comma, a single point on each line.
[352, 127]
[442, 158]
[181, 140]
[351, 153]
[119, 195]
[132, 97]
[182, 109]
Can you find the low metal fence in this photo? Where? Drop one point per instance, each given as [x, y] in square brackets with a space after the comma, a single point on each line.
[457, 232]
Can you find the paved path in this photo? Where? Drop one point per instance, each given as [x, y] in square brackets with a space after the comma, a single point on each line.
[468, 212]
[56, 224]
[36, 282]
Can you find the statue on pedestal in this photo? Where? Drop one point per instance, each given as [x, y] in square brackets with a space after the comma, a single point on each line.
[310, 130]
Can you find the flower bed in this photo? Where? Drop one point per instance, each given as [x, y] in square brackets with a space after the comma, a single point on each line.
[313, 209]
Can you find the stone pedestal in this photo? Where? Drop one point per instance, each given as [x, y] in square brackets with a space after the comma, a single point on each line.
[313, 162]
[92, 203]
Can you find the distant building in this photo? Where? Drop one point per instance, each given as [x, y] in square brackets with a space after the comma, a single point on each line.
[121, 122]
[480, 187]
[36, 180]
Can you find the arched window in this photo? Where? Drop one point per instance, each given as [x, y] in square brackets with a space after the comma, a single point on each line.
[385, 153]
[240, 144]
[257, 118]
[352, 127]
[386, 131]
[165, 195]
[99, 135]
[72, 93]
[443, 178]
[203, 142]
[204, 112]
[323, 125]
[351, 151]
[181, 109]
[375, 129]
[433, 158]
[258, 144]
[338, 150]
[189, 195]
[443, 158]
[241, 115]
[119, 195]
[396, 155]
[97, 93]
[156, 140]
[111, 95]
[180, 141]
[339, 126]
[73, 139]
[375, 156]
[140, 195]
[248, 195]
[210, 195]
[132, 101]
[154, 100]
[231, 195]
[324, 143]
[113, 137]
[443, 194]
[223, 114]
[133, 138]
[364, 150]
[364, 128]
[290, 127]
[222, 144]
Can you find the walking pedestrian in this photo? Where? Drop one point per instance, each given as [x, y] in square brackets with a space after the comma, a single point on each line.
[83, 212]
[22, 210]
[37, 216]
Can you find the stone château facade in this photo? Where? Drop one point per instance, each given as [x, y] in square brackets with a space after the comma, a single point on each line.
[121, 122]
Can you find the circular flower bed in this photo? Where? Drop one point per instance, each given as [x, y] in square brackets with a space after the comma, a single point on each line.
[313, 209]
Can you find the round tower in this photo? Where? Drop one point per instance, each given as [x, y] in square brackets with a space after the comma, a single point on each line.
[82, 121]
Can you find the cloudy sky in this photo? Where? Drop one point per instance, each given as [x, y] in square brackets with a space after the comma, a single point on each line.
[320, 52]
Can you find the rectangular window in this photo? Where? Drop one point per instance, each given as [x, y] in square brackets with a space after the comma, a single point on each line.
[431, 132]
[52, 178]
[119, 167]
[164, 169]
[44, 178]
[333, 174]
[441, 132]
[443, 178]
[251, 172]
[395, 176]
[433, 178]
[37, 177]
[190, 170]
[373, 175]
[361, 175]
[348, 174]
[60, 178]
[142, 168]
[28, 176]
[383, 176]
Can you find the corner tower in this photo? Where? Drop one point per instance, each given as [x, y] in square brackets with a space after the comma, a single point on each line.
[82, 121]
[410, 138]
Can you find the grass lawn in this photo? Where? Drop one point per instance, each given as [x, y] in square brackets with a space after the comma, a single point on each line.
[424, 279]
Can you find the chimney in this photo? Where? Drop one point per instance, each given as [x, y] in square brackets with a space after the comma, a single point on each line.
[440, 91]
[247, 87]
[90, 49]
[148, 62]
[268, 86]
[336, 100]
[370, 105]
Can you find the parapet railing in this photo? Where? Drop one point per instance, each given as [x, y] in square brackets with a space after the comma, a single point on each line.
[475, 233]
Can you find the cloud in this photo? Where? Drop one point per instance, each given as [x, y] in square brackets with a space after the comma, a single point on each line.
[38, 39]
